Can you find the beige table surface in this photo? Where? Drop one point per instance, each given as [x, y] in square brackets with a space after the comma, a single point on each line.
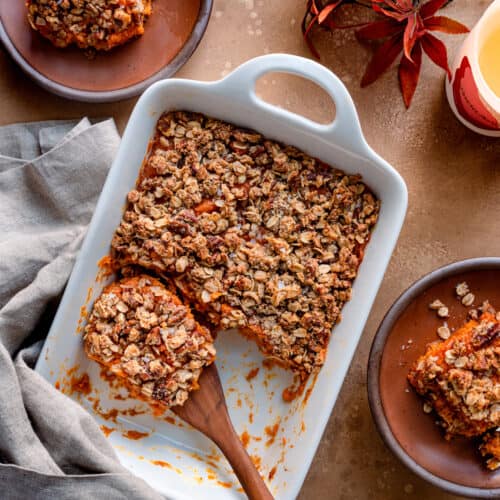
[453, 178]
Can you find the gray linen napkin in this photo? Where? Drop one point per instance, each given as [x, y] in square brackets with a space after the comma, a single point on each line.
[51, 174]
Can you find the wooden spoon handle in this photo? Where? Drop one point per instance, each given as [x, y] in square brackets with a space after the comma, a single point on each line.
[233, 449]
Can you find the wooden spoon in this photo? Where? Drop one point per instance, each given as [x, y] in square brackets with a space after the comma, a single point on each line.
[206, 411]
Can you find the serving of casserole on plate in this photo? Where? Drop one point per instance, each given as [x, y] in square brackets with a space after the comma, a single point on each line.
[247, 237]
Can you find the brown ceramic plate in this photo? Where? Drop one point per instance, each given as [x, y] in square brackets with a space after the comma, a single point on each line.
[172, 33]
[408, 327]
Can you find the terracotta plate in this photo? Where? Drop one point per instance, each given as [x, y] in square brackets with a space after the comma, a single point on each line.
[172, 33]
[408, 327]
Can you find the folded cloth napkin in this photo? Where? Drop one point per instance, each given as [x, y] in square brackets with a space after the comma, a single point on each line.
[51, 174]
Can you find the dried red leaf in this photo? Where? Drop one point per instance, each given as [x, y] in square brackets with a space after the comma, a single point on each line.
[311, 46]
[410, 35]
[398, 16]
[409, 72]
[431, 7]
[396, 5]
[436, 50]
[327, 11]
[314, 8]
[378, 29]
[406, 28]
[382, 59]
[445, 24]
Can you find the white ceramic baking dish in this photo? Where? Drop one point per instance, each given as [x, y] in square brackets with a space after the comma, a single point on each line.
[190, 466]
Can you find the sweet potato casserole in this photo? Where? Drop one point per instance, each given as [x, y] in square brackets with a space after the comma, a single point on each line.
[97, 24]
[143, 334]
[258, 236]
[460, 379]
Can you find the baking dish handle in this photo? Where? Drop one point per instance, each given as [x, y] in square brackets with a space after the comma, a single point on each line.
[345, 129]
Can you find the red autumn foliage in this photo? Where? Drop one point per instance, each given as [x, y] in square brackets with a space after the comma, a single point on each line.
[405, 29]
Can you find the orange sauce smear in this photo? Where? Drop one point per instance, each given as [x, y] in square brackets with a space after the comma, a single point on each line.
[252, 374]
[257, 461]
[245, 438]
[211, 474]
[309, 390]
[107, 267]
[72, 371]
[161, 463]
[109, 415]
[83, 311]
[107, 430]
[271, 431]
[132, 412]
[271, 474]
[135, 434]
[293, 392]
[80, 384]
[204, 459]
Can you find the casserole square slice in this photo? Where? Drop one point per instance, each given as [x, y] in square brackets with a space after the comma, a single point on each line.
[460, 378]
[147, 338]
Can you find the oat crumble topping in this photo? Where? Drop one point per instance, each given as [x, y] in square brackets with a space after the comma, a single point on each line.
[460, 378]
[462, 289]
[468, 299]
[257, 235]
[144, 334]
[436, 304]
[490, 449]
[444, 332]
[97, 24]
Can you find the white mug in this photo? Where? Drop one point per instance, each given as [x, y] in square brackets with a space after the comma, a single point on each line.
[471, 99]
